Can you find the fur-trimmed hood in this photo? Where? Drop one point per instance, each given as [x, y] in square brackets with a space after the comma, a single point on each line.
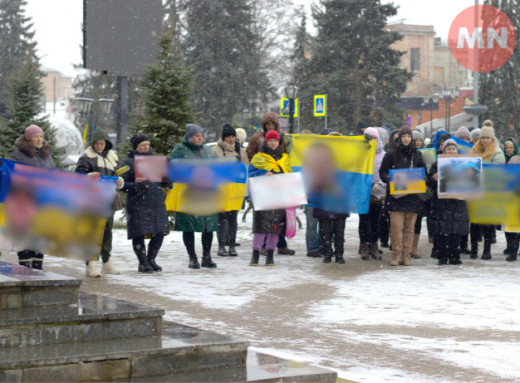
[107, 159]
[25, 146]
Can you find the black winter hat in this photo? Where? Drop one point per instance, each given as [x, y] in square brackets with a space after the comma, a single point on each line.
[228, 130]
[137, 139]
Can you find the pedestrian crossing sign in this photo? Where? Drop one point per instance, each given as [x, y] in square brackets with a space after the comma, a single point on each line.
[320, 105]
[284, 107]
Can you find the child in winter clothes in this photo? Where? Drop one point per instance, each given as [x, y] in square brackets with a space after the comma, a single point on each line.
[449, 217]
[268, 224]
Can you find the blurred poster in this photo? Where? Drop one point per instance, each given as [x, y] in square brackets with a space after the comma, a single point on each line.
[460, 177]
[152, 168]
[337, 170]
[407, 181]
[52, 211]
[500, 201]
[206, 186]
[278, 191]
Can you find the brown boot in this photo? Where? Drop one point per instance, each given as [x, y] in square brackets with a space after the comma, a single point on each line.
[406, 260]
[414, 246]
[398, 259]
[374, 250]
[365, 252]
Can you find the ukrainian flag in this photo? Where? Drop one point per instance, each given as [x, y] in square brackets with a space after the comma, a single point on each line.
[206, 186]
[337, 170]
[464, 147]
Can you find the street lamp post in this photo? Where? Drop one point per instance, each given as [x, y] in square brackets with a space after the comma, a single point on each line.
[291, 92]
[84, 106]
[433, 100]
[449, 95]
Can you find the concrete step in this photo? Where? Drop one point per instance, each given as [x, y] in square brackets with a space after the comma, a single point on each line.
[23, 288]
[180, 350]
[94, 318]
[260, 367]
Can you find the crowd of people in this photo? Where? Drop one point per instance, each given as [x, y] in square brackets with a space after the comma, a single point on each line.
[392, 221]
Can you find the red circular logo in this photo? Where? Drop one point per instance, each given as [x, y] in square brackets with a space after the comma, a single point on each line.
[482, 38]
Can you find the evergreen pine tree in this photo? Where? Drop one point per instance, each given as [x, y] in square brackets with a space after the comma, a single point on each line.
[353, 63]
[25, 92]
[499, 89]
[222, 45]
[15, 36]
[166, 87]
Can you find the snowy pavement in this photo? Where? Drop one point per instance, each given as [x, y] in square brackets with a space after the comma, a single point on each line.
[367, 320]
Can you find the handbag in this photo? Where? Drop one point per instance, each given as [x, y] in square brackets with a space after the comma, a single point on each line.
[377, 196]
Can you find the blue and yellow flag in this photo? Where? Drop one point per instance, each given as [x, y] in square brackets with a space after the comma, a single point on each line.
[206, 186]
[464, 147]
[500, 203]
[337, 170]
[52, 211]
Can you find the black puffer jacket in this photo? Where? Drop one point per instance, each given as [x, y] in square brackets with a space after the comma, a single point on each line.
[447, 216]
[270, 221]
[145, 207]
[27, 154]
[401, 158]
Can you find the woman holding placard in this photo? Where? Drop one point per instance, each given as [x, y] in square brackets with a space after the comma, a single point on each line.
[145, 208]
[403, 208]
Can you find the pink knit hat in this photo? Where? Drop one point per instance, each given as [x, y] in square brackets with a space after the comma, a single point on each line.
[32, 130]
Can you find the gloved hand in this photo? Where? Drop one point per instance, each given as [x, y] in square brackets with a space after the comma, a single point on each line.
[166, 182]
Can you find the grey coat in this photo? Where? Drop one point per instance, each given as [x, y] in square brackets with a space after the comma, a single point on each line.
[27, 154]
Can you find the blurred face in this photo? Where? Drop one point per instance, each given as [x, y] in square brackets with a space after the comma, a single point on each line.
[406, 139]
[395, 137]
[37, 141]
[451, 150]
[485, 141]
[99, 145]
[509, 148]
[269, 125]
[418, 142]
[230, 140]
[197, 139]
[143, 147]
[273, 143]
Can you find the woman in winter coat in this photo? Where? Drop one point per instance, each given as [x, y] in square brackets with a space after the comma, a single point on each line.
[268, 225]
[32, 149]
[100, 159]
[228, 146]
[145, 208]
[403, 211]
[487, 147]
[192, 147]
[368, 227]
[269, 122]
[449, 217]
[512, 232]
[510, 151]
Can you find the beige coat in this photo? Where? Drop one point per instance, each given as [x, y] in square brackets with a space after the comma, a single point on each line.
[222, 149]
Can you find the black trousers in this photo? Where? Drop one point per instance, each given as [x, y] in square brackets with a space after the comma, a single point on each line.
[513, 242]
[368, 227]
[332, 230]
[384, 224]
[26, 255]
[418, 224]
[153, 246]
[227, 228]
[486, 231]
[447, 246]
[106, 246]
[188, 237]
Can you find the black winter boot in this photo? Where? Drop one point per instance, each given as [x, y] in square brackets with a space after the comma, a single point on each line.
[327, 257]
[152, 254]
[474, 250]
[25, 263]
[37, 265]
[339, 259]
[255, 258]
[222, 252]
[486, 255]
[208, 262]
[269, 258]
[511, 258]
[144, 266]
[233, 251]
[194, 262]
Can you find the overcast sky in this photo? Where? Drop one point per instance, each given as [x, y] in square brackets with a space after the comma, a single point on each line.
[57, 24]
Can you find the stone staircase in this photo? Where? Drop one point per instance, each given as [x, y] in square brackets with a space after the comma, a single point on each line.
[52, 332]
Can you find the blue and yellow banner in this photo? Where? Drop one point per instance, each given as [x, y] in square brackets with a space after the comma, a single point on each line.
[337, 170]
[206, 186]
[464, 147]
[500, 203]
[52, 211]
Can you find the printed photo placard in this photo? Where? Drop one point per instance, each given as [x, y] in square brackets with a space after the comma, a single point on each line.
[407, 181]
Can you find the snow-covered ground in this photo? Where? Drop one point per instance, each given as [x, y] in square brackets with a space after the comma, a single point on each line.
[367, 320]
